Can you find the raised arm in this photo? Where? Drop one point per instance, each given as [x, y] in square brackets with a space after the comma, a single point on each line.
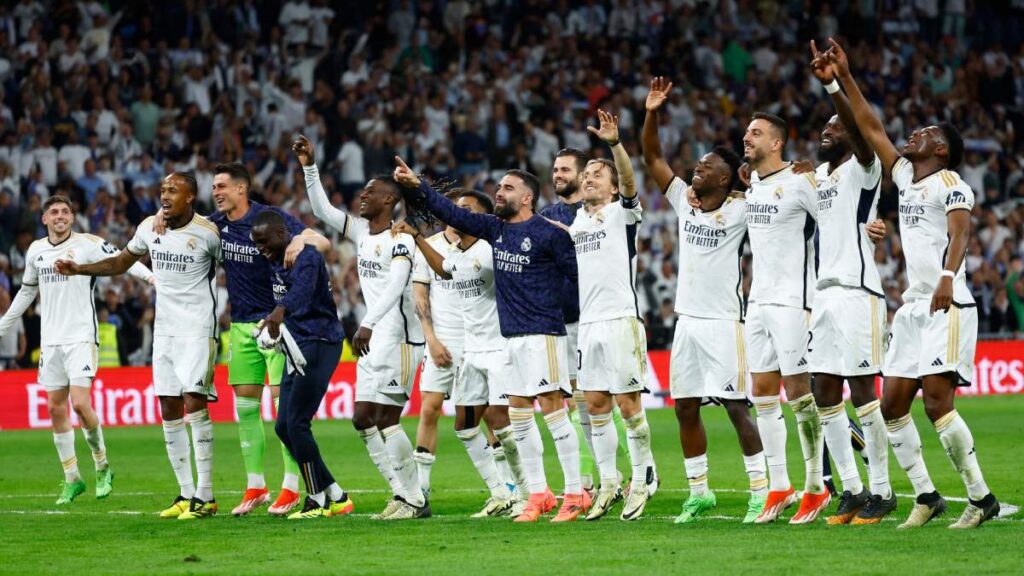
[322, 208]
[609, 132]
[653, 156]
[823, 72]
[433, 258]
[868, 125]
[483, 226]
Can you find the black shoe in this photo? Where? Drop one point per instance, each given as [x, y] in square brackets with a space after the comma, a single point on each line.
[977, 512]
[875, 509]
[849, 505]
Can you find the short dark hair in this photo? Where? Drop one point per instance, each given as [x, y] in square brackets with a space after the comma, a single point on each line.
[580, 156]
[611, 167]
[954, 145]
[58, 199]
[780, 125]
[531, 182]
[269, 218]
[189, 179]
[391, 183]
[733, 160]
[483, 199]
[236, 171]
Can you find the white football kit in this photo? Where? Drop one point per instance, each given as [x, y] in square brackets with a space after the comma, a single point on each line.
[68, 328]
[781, 208]
[708, 352]
[921, 343]
[185, 265]
[612, 349]
[447, 318]
[849, 315]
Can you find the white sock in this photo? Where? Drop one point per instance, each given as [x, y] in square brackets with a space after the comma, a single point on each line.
[567, 445]
[320, 498]
[531, 449]
[697, 474]
[808, 426]
[638, 439]
[400, 451]
[179, 452]
[290, 482]
[906, 445]
[65, 443]
[956, 438]
[876, 444]
[605, 447]
[202, 445]
[379, 455]
[509, 447]
[586, 421]
[424, 460]
[504, 470]
[483, 460]
[255, 481]
[757, 473]
[771, 426]
[835, 427]
[94, 438]
[334, 492]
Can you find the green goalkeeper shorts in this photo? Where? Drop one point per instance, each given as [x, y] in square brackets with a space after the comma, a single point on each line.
[247, 362]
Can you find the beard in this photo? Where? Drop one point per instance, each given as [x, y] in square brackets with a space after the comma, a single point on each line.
[505, 211]
[834, 152]
[754, 157]
[570, 189]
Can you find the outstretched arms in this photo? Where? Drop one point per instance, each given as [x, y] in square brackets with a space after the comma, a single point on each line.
[822, 70]
[609, 133]
[480, 225]
[322, 208]
[653, 156]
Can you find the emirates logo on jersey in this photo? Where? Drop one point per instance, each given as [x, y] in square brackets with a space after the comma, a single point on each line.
[191, 244]
[526, 245]
[778, 193]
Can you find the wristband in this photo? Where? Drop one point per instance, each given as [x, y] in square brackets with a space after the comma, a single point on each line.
[832, 87]
[614, 144]
[947, 274]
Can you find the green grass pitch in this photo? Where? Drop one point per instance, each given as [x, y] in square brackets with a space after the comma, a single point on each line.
[123, 535]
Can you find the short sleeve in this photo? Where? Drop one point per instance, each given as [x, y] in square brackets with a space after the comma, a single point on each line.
[420, 269]
[404, 247]
[958, 197]
[101, 250]
[871, 174]
[138, 244]
[213, 245]
[902, 173]
[30, 277]
[809, 194]
[676, 194]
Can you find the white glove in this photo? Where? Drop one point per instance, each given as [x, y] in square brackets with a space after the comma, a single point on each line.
[263, 338]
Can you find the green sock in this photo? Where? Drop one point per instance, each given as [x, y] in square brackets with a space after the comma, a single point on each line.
[291, 468]
[252, 438]
[587, 467]
[620, 428]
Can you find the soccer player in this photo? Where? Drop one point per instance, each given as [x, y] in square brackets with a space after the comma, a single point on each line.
[389, 341]
[849, 314]
[781, 207]
[612, 339]
[935, 332]
[67, 360]
[708, 359]
[484, 370]
[532, 260]
[184, 263]
[312, 345]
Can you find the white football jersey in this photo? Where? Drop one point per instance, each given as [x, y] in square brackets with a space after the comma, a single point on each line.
[184, 261]
[710, 254]
[67, 304]
[924, 229]
[445, 309]
[606, 256]
[472, 271]
[847, 201]
[780, 220]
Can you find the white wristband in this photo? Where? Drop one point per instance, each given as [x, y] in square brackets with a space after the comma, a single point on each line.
[947, 274]
[832, 87]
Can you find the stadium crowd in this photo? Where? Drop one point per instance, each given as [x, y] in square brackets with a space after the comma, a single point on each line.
[101, 100]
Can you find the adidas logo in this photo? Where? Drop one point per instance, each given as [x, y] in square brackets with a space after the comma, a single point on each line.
[157, 241]
[937, 362]
[633, 381]
[802, 362]
[393, 383]
[225, 230]
[544, 382]
[729, 388]
[864, 364]
[200, 384]
[503, 396]
[87, 368]
[40, 259]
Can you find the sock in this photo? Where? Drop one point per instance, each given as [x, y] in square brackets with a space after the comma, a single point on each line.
[94, 438]
[697, 474]
[424, 460]
[956, 438]
[906, 445]
[638, 437]
[202, 445]
[835, 427]
[584, 429]
[771, 426]
[179, 452]
[808, 425]
[400, 451]
[757, 472]
[531, 449]
[65, 442]
[334, 492]
[380, 458]
[877, 447]
[320, 498]
[567, 445]
[606, 445]
[504, 470]
[252, 439]
[483, 460]
[291, 467]
[506, 436]
[620, 428]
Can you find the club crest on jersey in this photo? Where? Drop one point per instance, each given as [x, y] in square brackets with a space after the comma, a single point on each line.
[599, 217]
[719, 219]
[526, 245]
[476, 264]
[778, 193]
[376, 250]
[71, 255]
[191, 244]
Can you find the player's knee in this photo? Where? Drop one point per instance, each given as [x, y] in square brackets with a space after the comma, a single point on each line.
[688, 409]
[81, 406]
[56, 408]
[936, 407]
[892, 408]
[862, 392]
[281, 429]
[738, 410]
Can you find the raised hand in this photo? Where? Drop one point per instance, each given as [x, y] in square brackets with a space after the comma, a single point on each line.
[660, 89]
[304, 151]
[404, 227]
[837, 59]
[66, 267]
[820, 65]
[609, 128]
[405, 175]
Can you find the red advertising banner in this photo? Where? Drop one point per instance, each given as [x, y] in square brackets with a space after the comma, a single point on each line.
[125, 396]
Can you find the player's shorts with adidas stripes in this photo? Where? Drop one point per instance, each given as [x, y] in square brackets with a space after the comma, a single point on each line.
[922, 344]
[184, 364]
[61, 365]
[539, 364]
[386, 374]
[482, 377]
[847, 332]
[441, 379]
[776, 338]
[708, 360]
[572, 335]
[613, 356]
